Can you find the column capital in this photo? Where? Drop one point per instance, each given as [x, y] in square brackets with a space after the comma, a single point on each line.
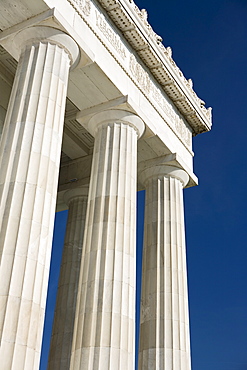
[116, 116]
[155, 169]
[75, 193]
[35, 34]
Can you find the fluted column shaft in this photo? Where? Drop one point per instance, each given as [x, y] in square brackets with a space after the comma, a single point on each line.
[164, 331]
[105, 317]
[63, 325]
[29, 160]
[2, 116]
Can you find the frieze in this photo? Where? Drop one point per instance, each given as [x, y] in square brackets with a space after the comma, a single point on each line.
[111, 36]
[83, 6]
[176, 119]
[97, 21]
[167, 52]
[141, 76]
[146, 84]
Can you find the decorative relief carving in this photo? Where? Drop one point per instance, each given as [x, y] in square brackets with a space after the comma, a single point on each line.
[140, 75]
[143, 15]
[111, 36]
[183, 131]
[167, 52]
[83, 6]
[155, 93]
[134, 68]
[175, 119]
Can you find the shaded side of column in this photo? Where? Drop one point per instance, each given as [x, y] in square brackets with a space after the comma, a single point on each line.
[164, 332]
[63, 325]
[2, 118]
[29, 160]
[105, 318]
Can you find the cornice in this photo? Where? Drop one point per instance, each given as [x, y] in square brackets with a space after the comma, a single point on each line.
[133, 24]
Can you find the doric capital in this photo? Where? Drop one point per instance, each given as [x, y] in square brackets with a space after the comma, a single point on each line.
[162, 170]
[36, 34]
[80, 192]
[116, 116]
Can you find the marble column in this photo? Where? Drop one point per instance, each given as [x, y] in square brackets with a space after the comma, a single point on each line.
[30, 151]
[2, 117]
[164, 331]
[105, 317]
[63, 325]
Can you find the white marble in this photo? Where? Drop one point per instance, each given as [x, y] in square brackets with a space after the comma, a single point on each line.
[29, 159]
[164, 331]
[62, 332]
[123, 68]
[105, 316]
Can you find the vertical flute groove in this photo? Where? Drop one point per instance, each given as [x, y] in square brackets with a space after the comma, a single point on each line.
[62, 333]
[28, 181]
[164, 296]
[105, 280]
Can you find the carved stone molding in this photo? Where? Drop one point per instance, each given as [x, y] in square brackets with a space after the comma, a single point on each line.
[153, 92]
[128, 17]
[111, 36]
[83, 6]
[191, 116]
[139, 73]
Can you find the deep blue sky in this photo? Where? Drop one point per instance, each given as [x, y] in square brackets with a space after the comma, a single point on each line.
[209, 42]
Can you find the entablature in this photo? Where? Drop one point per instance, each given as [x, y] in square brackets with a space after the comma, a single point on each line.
[134, 26]
[123, 66]
[132, 22]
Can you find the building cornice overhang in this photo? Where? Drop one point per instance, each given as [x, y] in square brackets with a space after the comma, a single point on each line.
[133, 24]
